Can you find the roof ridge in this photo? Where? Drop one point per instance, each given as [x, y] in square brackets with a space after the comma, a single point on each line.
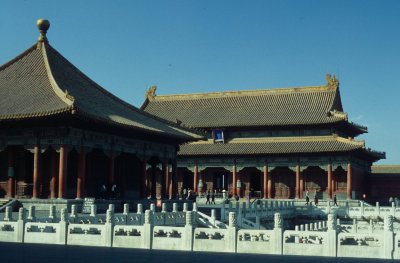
[258, 92]
[118, 100]
[20, 56]
[64, 96]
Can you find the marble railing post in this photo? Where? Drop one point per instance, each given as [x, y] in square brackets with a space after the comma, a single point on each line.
[185, 207]
[52, 213]
[74, 214]
[296, 238]
[63, 226]
[188, 232]
[175, 207]
[21, 225]
[332, 235]
[126, 209]
[195, 215]
[93, 210]
[140, 213]
[8, 214]
[109, 225]
[31, 214]
[148, 229]
[278, 234]
[232, 233]
[388, 237]
[223, 211]
[213, 217]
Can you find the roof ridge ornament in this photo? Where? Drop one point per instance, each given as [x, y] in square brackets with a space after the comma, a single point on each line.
[333, 82]
[151, 93]
[43, 25]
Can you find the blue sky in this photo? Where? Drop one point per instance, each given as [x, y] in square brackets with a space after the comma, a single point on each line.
[186, 46]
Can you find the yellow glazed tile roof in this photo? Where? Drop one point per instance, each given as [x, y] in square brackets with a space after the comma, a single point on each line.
[268, 107]
[41, 82]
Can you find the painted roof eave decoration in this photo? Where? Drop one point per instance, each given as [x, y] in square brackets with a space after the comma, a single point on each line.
[279, 145]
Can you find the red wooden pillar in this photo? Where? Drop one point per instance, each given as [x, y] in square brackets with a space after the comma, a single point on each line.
[36, 171]
[349, 174]
[330, 181]
[173, 183]
[80, 185]
[297, 181]
[333, 183]
[269, 184]
[195, 179]
[301, 184]
[144, 177]
[167, 177]
[10, 182]
[234, 180]
[112, 166]
[53, 173]
[62, 171]
[265, 181]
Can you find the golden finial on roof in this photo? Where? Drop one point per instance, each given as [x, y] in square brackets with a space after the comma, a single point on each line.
[43, 25]
[151, 93]
[332, 81]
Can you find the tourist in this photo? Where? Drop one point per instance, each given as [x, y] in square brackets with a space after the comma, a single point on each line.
[213, 194]
[208, 197]
[115, 192]
[189, 194]
[103, 191]
[307, 200]
[184, 193]
[316, 199]
[334, 200]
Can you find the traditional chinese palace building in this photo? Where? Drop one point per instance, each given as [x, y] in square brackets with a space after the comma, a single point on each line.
[279, 142]
[64, 136]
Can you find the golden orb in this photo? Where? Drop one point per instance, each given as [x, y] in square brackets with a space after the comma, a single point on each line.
[43, 25]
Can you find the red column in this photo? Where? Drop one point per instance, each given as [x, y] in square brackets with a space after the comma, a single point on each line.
[111, 172]
[80, 186]
[265, 181]
[301, 185]
[173, 183]
[297, 181]
[62, 171]
[195, 179]
[269, 185]
[234, 180]
[166, 174]
[144, 177]
[330, 181]
[333, 183]
[10, 183]
[53, 173]
[349, 174]
[36, 171]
